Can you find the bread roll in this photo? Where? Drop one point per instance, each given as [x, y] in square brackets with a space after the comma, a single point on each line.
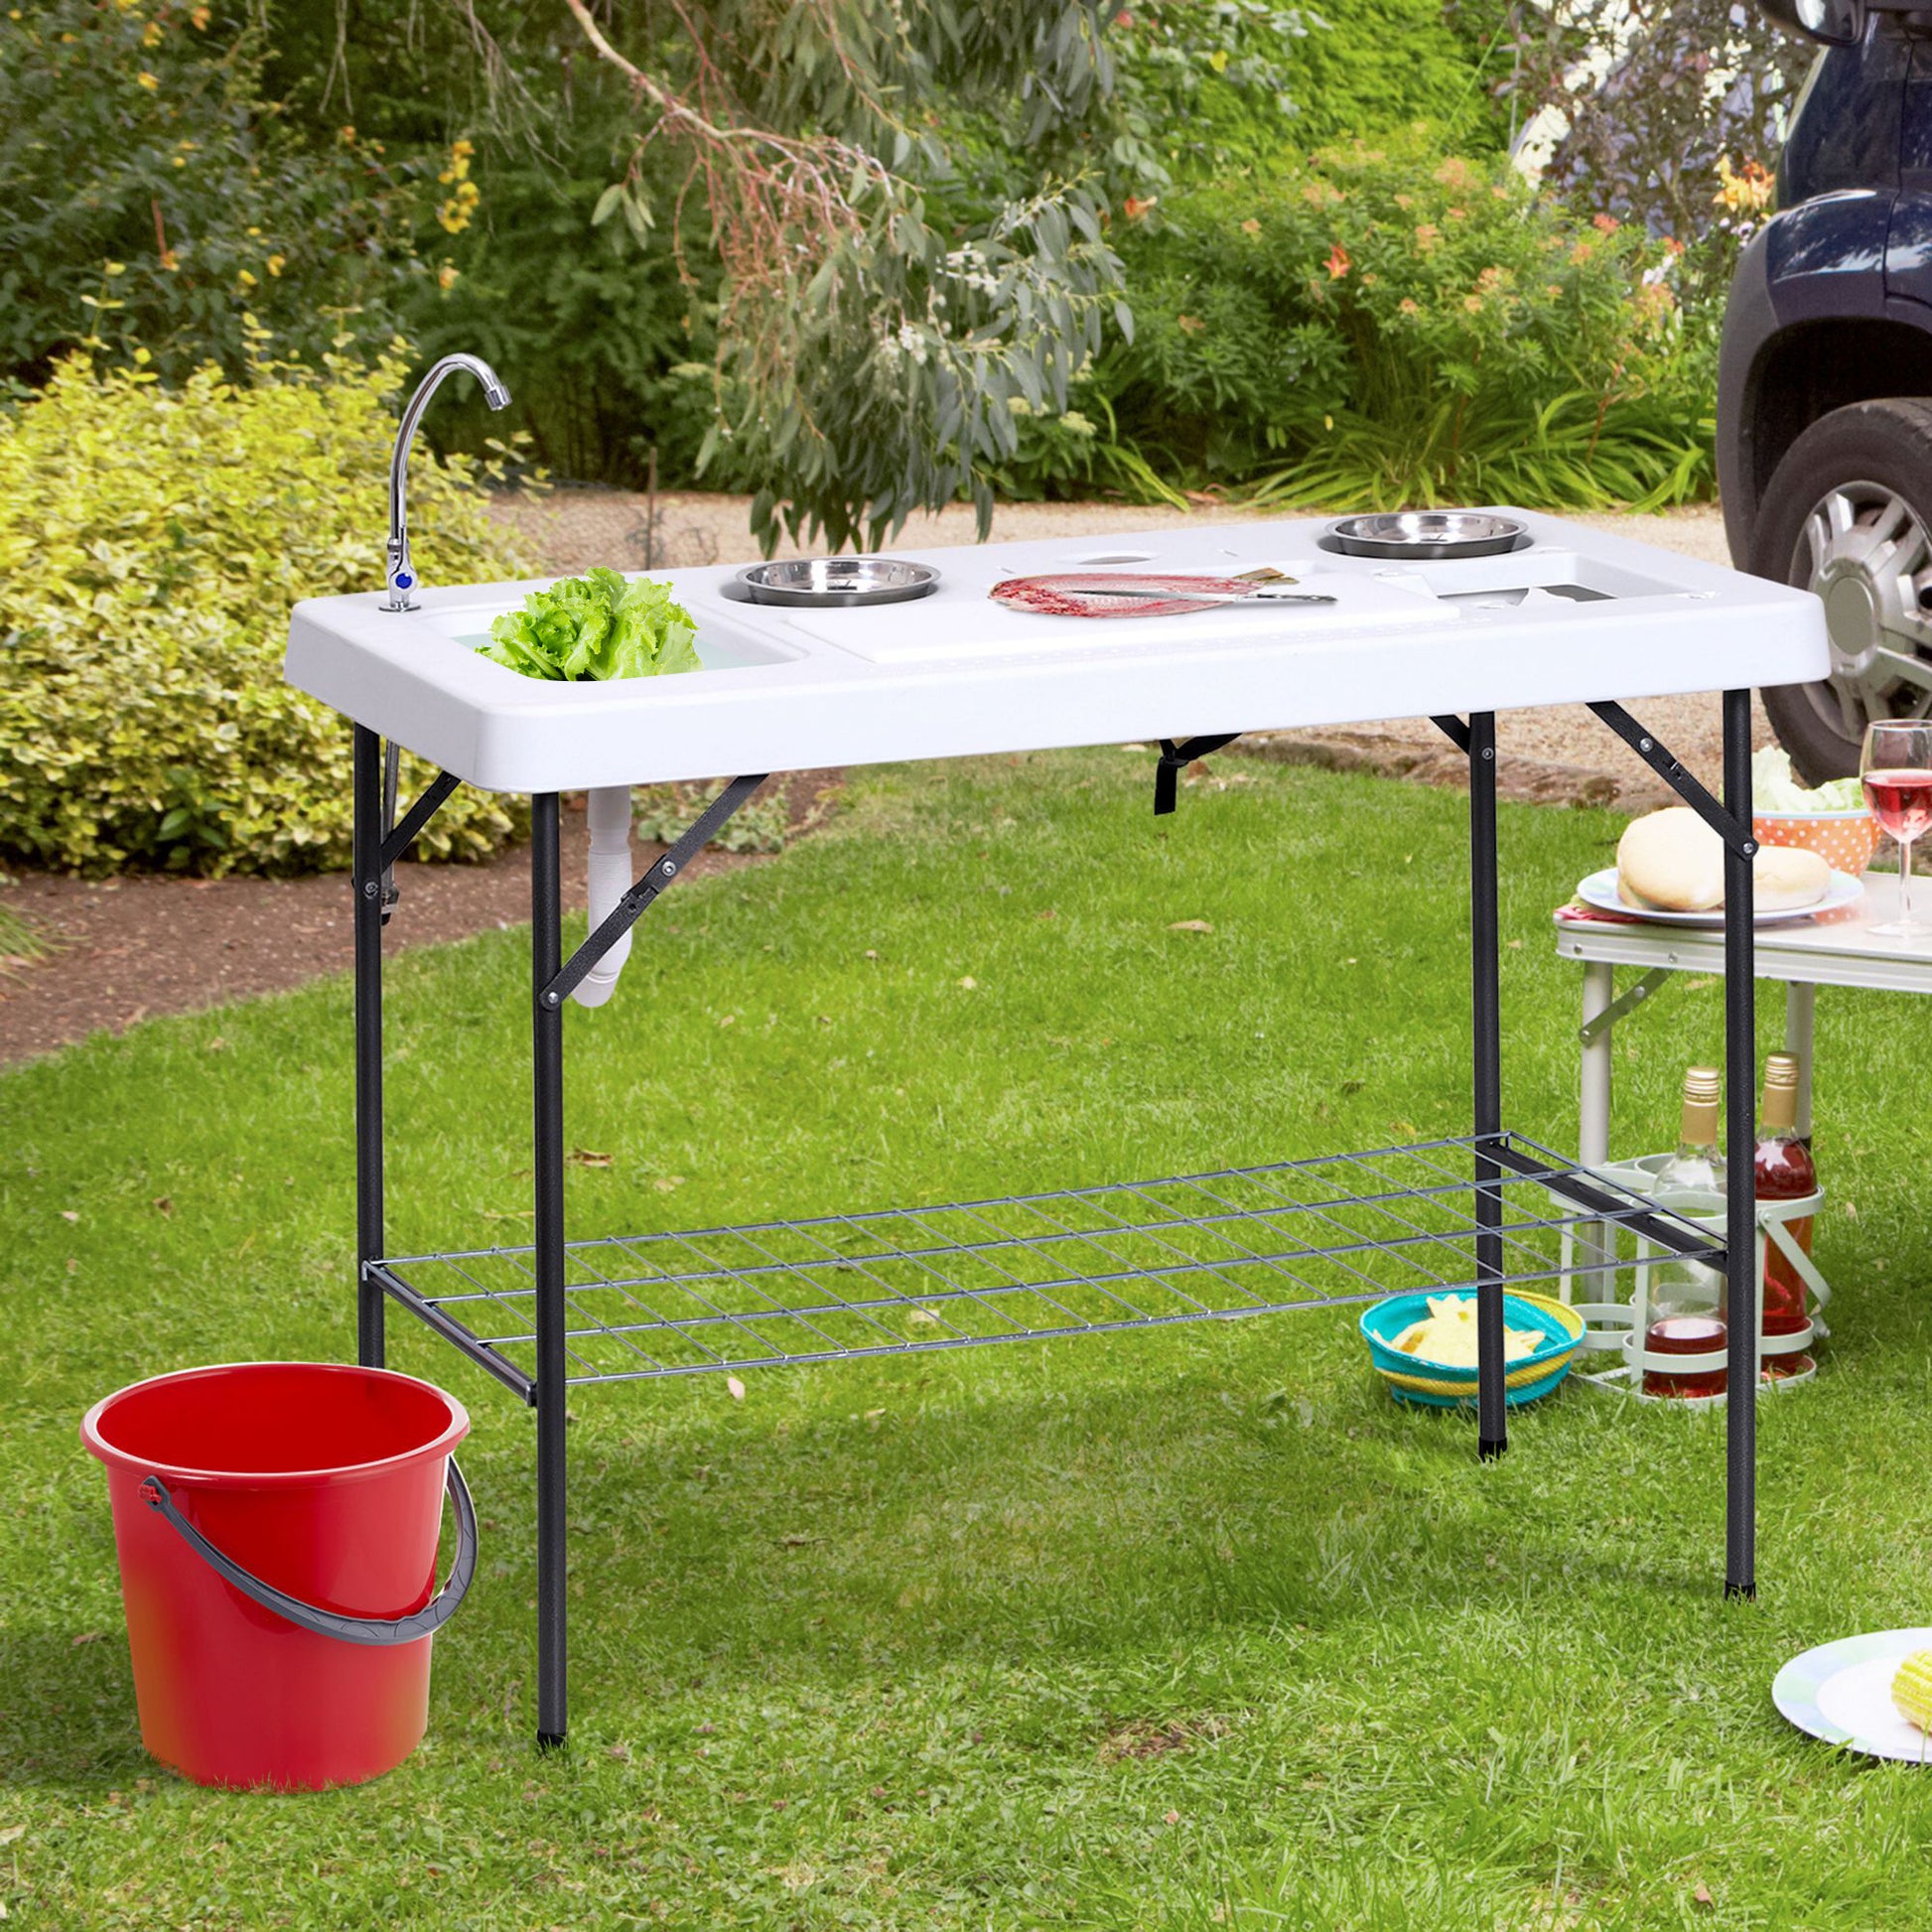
[1786, 876]
[1673, 861]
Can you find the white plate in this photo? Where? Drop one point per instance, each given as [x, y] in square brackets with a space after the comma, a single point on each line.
[1599, 890]
[1842, 1692]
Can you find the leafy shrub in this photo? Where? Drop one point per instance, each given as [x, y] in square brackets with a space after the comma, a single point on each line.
[153, 194]
[1374, 327]
[151, 544]
[588, 331]
[1384, 63]
[1675, 124]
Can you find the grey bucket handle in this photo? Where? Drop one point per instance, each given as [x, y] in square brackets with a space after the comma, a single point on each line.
[377, 1631]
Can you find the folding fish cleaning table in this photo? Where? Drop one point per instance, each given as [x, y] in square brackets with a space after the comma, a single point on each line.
[1572, 616]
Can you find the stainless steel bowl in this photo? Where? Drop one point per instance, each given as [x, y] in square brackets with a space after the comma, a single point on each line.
[1426, 534]
[835, 582]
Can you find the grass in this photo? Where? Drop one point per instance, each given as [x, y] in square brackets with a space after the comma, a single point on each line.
[21, 943]
[1192, 1628]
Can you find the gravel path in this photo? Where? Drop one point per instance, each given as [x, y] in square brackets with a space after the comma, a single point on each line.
[1555, 756]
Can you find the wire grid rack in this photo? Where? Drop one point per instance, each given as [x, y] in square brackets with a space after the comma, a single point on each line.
[1239, 1241]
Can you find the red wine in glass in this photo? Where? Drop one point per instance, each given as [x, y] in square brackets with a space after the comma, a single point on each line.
[1900, 800]
[1896, 769]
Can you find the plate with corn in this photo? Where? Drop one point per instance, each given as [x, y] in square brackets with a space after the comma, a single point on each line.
[1871, 1693]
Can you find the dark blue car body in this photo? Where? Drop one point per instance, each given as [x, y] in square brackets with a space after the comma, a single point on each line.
[1832, 303]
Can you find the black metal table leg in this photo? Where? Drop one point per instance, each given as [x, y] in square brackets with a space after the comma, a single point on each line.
[1741, 1136]
[365, 880]
[547, 1062]
[1492, 1429]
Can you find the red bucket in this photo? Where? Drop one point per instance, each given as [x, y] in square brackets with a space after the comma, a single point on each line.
[277, 1526]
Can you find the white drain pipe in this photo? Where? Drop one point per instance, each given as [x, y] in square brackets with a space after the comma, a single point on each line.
[610, 818]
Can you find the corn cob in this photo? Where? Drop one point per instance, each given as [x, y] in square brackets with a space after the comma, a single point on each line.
[1911, 1689]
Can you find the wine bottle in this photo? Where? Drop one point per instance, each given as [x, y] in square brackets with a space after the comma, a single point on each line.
[1697, 1167]
[1691, 1182]
[1785, 1171]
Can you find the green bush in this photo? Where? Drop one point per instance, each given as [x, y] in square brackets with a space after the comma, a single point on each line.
[1376, 327]
[1383, 63]
[155, 195]
[151, 543]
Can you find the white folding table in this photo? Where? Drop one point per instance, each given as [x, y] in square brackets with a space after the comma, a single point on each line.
[1573, 616]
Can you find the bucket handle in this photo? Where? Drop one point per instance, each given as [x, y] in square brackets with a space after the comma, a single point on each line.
[383, 1631]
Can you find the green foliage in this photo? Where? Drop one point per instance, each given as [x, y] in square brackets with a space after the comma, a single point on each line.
[902, 365]
[1374, 327]
[1204, 86]
[154, 196]
[151, 543]
[589, 332]
[666, 813]
[20, 943]
[1383, 63]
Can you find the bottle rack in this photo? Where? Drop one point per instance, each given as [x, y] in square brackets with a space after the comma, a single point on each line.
[1614, 1330]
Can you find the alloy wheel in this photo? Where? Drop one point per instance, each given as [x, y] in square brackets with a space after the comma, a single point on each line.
[1868, 554]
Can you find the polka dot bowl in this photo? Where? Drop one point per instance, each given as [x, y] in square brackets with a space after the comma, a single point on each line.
[1846, 840]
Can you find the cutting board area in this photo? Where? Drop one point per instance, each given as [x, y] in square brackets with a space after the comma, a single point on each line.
[960, 621]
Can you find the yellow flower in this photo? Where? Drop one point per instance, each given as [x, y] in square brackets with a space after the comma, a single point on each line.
[276, 263]
[115, 268]
[244, 279]
[200, 17]
[148, 80]
[1747, 191]
[151, 34]
[445, 277]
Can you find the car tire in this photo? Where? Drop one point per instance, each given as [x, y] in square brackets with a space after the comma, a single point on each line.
[1849, 514]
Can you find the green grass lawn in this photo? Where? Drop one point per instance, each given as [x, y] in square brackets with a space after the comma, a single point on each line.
[1186, 1628]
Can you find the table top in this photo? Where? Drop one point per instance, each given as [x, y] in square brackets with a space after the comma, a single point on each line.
[1576, 615]
[1838, 949]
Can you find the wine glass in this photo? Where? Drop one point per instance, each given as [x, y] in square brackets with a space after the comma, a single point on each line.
[1896, 770]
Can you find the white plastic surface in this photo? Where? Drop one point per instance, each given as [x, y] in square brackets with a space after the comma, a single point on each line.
[956, 674]
[609, 816]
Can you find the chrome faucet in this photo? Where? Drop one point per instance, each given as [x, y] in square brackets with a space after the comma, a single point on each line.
[402, 573]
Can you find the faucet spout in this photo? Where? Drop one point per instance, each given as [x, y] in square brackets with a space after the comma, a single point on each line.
[401, 572]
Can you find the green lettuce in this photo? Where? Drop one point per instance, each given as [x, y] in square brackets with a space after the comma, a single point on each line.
[596, 625]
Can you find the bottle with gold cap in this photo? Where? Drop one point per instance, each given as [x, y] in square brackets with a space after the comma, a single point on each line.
[1698, 1166]
[1691, 1182]
[1785, 1171]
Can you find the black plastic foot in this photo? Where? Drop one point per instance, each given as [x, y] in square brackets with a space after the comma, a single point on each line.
[550, 1740]
[1748, 1592]
[1488, 1452]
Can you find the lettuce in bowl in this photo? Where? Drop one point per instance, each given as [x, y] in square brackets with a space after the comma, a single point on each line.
[596, 625]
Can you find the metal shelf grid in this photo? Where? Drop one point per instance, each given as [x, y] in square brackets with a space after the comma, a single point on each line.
[1296, 1234]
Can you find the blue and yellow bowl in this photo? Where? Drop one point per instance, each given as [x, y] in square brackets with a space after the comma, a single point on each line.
[1439, 1387]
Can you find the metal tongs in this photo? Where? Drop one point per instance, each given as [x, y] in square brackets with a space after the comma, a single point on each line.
[1175, 593]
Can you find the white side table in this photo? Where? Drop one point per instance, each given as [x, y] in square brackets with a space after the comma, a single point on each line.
[1838, 950]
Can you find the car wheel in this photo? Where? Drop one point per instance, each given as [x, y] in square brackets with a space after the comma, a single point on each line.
[1848, 513]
